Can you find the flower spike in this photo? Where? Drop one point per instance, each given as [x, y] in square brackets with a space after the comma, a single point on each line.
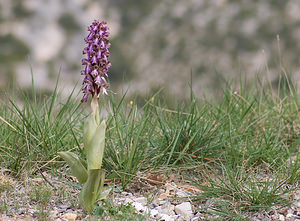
[97, 63]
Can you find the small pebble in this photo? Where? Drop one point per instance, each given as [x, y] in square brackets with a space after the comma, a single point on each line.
[165, 217]
[21, 211]
[281, 218]
[142, 200]
[184, 209]
[153, 213]
[70, 216]
[139, 207]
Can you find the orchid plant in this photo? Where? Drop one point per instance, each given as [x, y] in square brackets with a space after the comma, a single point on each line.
[96, 65]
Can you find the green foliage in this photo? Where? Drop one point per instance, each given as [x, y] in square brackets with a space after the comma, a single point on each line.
[122, 212]
[41, 194]
[236, 192]
[246, 145]
[129, 140]
[77, 168]
[33, 132]
[93, 176]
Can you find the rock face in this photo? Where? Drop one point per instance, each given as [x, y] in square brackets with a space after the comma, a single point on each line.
[154, 43]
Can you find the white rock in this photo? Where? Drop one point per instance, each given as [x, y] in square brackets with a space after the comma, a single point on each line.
[281, 217]
[297, 204]
[53, 214]
[161, 202]
[165, 217]
[181, 193]
[5, 218]
[139, 207]
[297, 195]
[153, 213]
[169, 210]
[142, 200]
[179, 218]
[184, 209]
[70, 216]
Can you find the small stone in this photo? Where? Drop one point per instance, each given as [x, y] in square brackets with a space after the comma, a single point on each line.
[53, 214]
[37, 180]
[70, 216]
[169, 210]
[281, 217]
[159, 209]
[139, 207]
[33, 211]
[184, 209]
[142, 200]
[21, 211]
[163, 196]
[297, 204]
[297, 195]
[5, 218]
[283, 211]
[153, 213]
[179, 218]
[161, 202]
[165, 217]
[181, 193]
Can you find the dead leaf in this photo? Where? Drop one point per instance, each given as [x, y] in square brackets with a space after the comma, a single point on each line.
[154, 179]
[190, 189]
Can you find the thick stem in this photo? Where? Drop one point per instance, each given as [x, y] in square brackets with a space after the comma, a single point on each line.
[95, 109]
[94, 104]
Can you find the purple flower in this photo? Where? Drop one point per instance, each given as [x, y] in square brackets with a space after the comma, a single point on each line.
[97, 63]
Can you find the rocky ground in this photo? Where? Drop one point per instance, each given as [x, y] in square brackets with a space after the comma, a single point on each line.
[46, 197]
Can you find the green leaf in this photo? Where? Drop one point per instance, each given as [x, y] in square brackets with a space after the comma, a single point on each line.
[96, 148]
[90, 127]
[78, 170]
[103, 194]
[92, 189]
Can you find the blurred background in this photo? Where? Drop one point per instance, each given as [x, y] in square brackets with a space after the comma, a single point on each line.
[154, 43]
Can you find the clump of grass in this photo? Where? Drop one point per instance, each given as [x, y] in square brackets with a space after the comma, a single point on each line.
[40, 194]
[236, 192]
[33, 132]
[130, 131]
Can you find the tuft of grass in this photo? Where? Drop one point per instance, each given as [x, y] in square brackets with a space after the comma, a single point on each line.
[130, 131]
[235, 193]
[41, 195]
[33, 132]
